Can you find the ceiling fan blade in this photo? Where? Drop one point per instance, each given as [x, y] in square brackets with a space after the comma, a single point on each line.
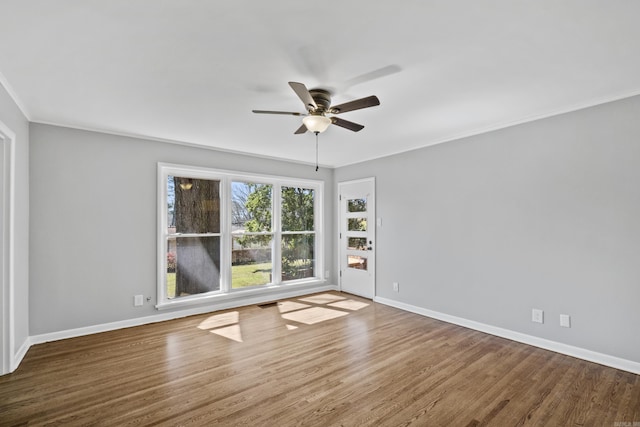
[371, 75]
[304, 95]
[369, 101]
[346, 124]
[278, 112]
[302, 129]
[312, 59]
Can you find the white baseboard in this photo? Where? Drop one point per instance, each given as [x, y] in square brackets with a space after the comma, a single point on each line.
[22, 351]
[569, 350]
[161, 317]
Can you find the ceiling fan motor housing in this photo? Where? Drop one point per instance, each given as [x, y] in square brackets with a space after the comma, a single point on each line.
[322, 99]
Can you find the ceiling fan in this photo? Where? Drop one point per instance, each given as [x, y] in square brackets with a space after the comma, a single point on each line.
[318, 105]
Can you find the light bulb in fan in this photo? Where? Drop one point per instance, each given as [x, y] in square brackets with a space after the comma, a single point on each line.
[316, 123]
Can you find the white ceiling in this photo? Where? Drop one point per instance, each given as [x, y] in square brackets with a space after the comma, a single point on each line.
[191, 71]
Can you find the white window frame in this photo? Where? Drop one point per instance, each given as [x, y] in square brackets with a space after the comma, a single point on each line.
[226, 177]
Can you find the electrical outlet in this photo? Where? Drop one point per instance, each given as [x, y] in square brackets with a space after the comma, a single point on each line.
[565, 320]
[396, 287]
[537, 315]
[138, 300]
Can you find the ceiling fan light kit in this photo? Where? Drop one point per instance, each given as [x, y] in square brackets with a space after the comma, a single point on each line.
[316, 123]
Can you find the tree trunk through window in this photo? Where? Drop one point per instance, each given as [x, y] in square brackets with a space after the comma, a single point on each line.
[197, 211]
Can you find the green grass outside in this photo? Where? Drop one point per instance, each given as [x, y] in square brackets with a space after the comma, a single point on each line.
[241, 277]
[250, 275]
[171, 285]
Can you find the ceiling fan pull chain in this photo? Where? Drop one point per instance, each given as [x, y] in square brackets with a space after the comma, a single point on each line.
[317, 151]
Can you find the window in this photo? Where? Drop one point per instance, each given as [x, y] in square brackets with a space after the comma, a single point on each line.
[252, 235]
[193, 236]
[298, 233]
[222, 232]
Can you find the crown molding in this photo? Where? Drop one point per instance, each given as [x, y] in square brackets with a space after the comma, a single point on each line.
[14, 96]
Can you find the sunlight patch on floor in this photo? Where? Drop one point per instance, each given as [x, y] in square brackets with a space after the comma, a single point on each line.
[232, 332]
[322, 299]
[219, 320]
[287, 306]
[313, 315]
[349, 305]
[302, 311]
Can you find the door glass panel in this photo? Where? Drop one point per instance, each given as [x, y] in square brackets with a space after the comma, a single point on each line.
[357, 224]
[357, 205]
[357, 243]
[357, 262]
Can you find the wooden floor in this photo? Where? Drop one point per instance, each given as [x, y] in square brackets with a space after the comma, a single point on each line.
[325, 360]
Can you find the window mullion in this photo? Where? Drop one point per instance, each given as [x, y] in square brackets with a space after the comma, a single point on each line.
[225, 240]
[277, 235]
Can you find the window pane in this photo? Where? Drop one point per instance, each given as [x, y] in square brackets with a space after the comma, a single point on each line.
[357, 243]
[193, 265]
[298, 256]
[357, 224]
[357, 205]
[170, 281]
[251, 261]
[357, 262]
[193, 205]
[297, 209]
[171, 204]
[251, 206]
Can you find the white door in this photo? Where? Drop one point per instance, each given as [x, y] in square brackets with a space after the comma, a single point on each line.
[357, 237]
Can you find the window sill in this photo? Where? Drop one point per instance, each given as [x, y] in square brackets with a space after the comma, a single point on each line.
[240, 297]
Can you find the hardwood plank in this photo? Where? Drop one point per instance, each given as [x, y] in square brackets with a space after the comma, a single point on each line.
[334, 359]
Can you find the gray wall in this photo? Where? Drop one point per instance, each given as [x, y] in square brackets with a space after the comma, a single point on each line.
[12, 117]
[544, 215]
[93, 222]
[541, 215]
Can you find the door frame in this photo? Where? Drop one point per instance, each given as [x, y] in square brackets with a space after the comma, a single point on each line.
[374, 222]
[7, 282]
